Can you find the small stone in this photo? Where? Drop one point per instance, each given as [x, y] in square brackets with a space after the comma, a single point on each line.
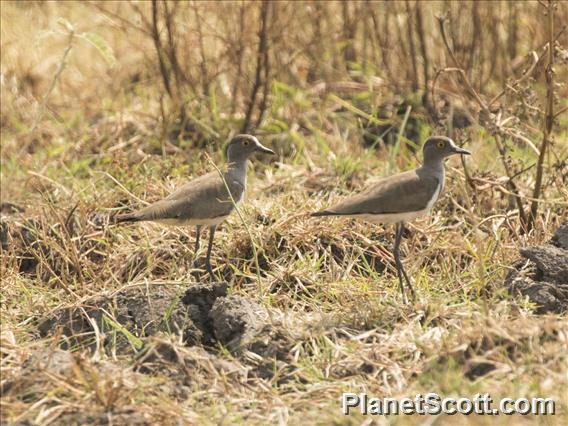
[551, 261]
[560, 238]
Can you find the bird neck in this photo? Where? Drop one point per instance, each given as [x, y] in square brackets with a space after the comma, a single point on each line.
[435, 164]
[435, 169]
[238, 170]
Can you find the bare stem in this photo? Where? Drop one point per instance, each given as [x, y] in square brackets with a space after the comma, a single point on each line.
[548, 116]
[60, 69]
[262, 46]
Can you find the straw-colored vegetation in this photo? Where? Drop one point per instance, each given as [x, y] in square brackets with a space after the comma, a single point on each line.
[108, 105]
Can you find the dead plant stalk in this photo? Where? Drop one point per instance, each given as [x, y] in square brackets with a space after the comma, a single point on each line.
[494, 124]
[260, 61]
[548, 116]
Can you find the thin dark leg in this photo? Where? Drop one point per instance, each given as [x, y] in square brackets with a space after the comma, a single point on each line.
[209, 247]
[399, 268]
[196, 251]
[413, 296]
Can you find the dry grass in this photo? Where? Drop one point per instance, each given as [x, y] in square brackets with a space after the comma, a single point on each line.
[110, 138]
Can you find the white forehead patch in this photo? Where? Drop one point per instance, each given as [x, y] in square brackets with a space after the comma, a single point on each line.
[446, 139]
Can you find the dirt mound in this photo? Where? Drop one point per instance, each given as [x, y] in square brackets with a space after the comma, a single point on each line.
[543, 276]
[126, 317]
[119, 321]
[202, 315]
[147, 323]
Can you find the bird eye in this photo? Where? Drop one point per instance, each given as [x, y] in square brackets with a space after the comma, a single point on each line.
[440, 144]
[245, 142]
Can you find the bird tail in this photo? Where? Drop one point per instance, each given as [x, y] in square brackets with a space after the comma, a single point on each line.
[323, 213]
[127, 218]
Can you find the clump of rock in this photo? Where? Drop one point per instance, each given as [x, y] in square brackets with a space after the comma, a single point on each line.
[542, 275]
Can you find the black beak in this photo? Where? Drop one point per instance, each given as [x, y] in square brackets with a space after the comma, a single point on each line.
[264, 150]
[461, 151]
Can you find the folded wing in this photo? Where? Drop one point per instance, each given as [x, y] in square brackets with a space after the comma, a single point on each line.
[203, 198]
[406, 192]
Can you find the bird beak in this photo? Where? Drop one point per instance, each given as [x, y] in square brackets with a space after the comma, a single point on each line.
[461, 151]
[264, 150]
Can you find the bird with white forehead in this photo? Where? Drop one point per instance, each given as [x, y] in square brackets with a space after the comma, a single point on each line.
[207, 200]
[403, 197]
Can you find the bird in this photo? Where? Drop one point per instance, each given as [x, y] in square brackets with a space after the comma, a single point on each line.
[402, 197]
[207, 200]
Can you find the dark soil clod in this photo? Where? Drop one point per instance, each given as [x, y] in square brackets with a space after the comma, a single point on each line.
[544, 280]
[551, 262]
[199, 300]
[473, 370]
[234, 319]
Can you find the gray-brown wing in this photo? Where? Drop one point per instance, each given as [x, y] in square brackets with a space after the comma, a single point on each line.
[204, 197]
[406, 192]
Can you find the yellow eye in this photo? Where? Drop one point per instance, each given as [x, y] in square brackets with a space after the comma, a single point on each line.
[245, 142]
[440, 144]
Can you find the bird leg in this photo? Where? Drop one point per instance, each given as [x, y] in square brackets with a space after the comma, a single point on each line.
[409, 284]
[399, 267]
[196, 251]
[209, 247]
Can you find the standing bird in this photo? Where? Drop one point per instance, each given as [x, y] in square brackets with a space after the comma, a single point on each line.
[205, 200]
[402, 197]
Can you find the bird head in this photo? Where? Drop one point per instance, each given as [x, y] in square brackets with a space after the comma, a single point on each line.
[437, 148]
[243, 146]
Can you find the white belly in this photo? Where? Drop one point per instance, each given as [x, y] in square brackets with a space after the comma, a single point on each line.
[192, 222]
[392, 217]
